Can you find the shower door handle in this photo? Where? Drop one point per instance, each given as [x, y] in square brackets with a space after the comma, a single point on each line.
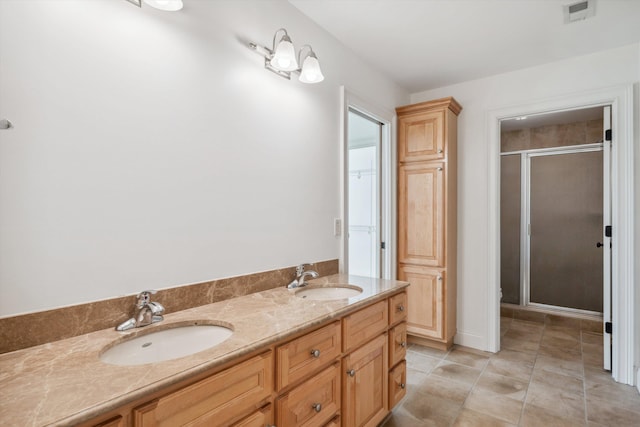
[599, 245]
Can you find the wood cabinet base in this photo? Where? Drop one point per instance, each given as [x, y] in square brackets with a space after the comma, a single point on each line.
[429, 342]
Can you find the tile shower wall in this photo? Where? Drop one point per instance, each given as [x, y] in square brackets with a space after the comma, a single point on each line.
[587, 132]
[18, 332]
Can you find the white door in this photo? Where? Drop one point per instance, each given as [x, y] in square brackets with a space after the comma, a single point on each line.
[606, 236]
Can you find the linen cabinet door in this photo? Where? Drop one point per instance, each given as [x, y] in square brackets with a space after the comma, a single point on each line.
[421, 214]
[365, 384]
[426, 314]
[421, 137]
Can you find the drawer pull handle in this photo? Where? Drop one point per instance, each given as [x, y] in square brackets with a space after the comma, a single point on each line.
[403, 344]
[315, 353]
[317, 407]
[401, 308]
[351, 373]
[403, 386]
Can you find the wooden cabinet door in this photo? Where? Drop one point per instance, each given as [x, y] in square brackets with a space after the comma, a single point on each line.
[365, 384]
[421, 136]
[213, 401]
[426, 313]
[397, 384]
[421, 214]
[313, 403]
[397, 343]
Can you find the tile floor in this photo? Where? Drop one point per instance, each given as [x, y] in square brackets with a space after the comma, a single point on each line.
[545, 375]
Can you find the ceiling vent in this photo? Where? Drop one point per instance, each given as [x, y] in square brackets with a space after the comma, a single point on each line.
[579, 11]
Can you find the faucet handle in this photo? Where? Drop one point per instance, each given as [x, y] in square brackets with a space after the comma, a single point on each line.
[144, 297]
[300, 269]
[156, 308]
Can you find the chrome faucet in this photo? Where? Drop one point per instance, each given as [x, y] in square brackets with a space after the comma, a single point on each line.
[148, 312]
[301, 275]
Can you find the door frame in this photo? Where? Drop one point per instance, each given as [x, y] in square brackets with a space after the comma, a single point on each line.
[622, 214]
[350, 100]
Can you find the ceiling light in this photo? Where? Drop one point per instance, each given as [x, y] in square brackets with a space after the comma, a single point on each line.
[281, 59]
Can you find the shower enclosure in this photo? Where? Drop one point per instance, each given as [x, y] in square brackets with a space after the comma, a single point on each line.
[552, 216]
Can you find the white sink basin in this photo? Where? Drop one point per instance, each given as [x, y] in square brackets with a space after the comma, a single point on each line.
[166, 344]
[329, 292]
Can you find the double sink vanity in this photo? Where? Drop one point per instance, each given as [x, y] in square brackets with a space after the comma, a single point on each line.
[327, 354]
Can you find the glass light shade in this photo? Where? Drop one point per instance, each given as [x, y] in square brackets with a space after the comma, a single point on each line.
[168, 5]
[311, 72]
[284, 58]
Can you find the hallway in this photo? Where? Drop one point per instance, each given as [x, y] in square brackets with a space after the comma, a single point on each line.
[545, 375]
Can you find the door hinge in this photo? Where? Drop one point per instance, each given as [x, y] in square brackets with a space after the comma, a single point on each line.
[607, 231]
[383, 245]
[608, 327]
[607, 135]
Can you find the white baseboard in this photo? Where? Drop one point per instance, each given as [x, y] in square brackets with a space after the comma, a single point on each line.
[466, 339]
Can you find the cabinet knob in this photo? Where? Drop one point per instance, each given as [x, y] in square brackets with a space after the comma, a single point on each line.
[440, 278]
[440, 169]
[403, 386]
[440, 151]
[401, 308]
[315, 353]
[351, 373]
[317, 407]
[403, 344]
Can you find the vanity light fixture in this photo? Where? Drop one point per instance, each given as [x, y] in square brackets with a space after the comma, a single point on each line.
[167, 5]
[281, 59]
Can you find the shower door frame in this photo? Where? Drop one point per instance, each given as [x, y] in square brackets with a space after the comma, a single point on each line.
[525, 222]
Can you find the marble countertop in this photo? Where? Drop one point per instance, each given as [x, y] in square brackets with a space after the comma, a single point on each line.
[64, 382]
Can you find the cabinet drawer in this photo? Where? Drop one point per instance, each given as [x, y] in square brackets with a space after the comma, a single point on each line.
[397, 384]
[397, 308]
[334, 422]
[113, 422]
[300, 357]
[312, 403]
[214, 400]
[365, 324]
[261, 418]
[397, 343]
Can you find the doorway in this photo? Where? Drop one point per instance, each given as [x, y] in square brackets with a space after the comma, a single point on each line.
[621, 242]
[364, 166]
[368, 189]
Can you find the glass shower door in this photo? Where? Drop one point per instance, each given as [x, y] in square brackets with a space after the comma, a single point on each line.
[566, 216]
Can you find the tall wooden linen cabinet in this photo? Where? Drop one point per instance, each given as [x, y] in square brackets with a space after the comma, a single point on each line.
[427, 193]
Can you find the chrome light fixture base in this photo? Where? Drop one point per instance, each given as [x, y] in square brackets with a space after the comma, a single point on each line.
[307, 65]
